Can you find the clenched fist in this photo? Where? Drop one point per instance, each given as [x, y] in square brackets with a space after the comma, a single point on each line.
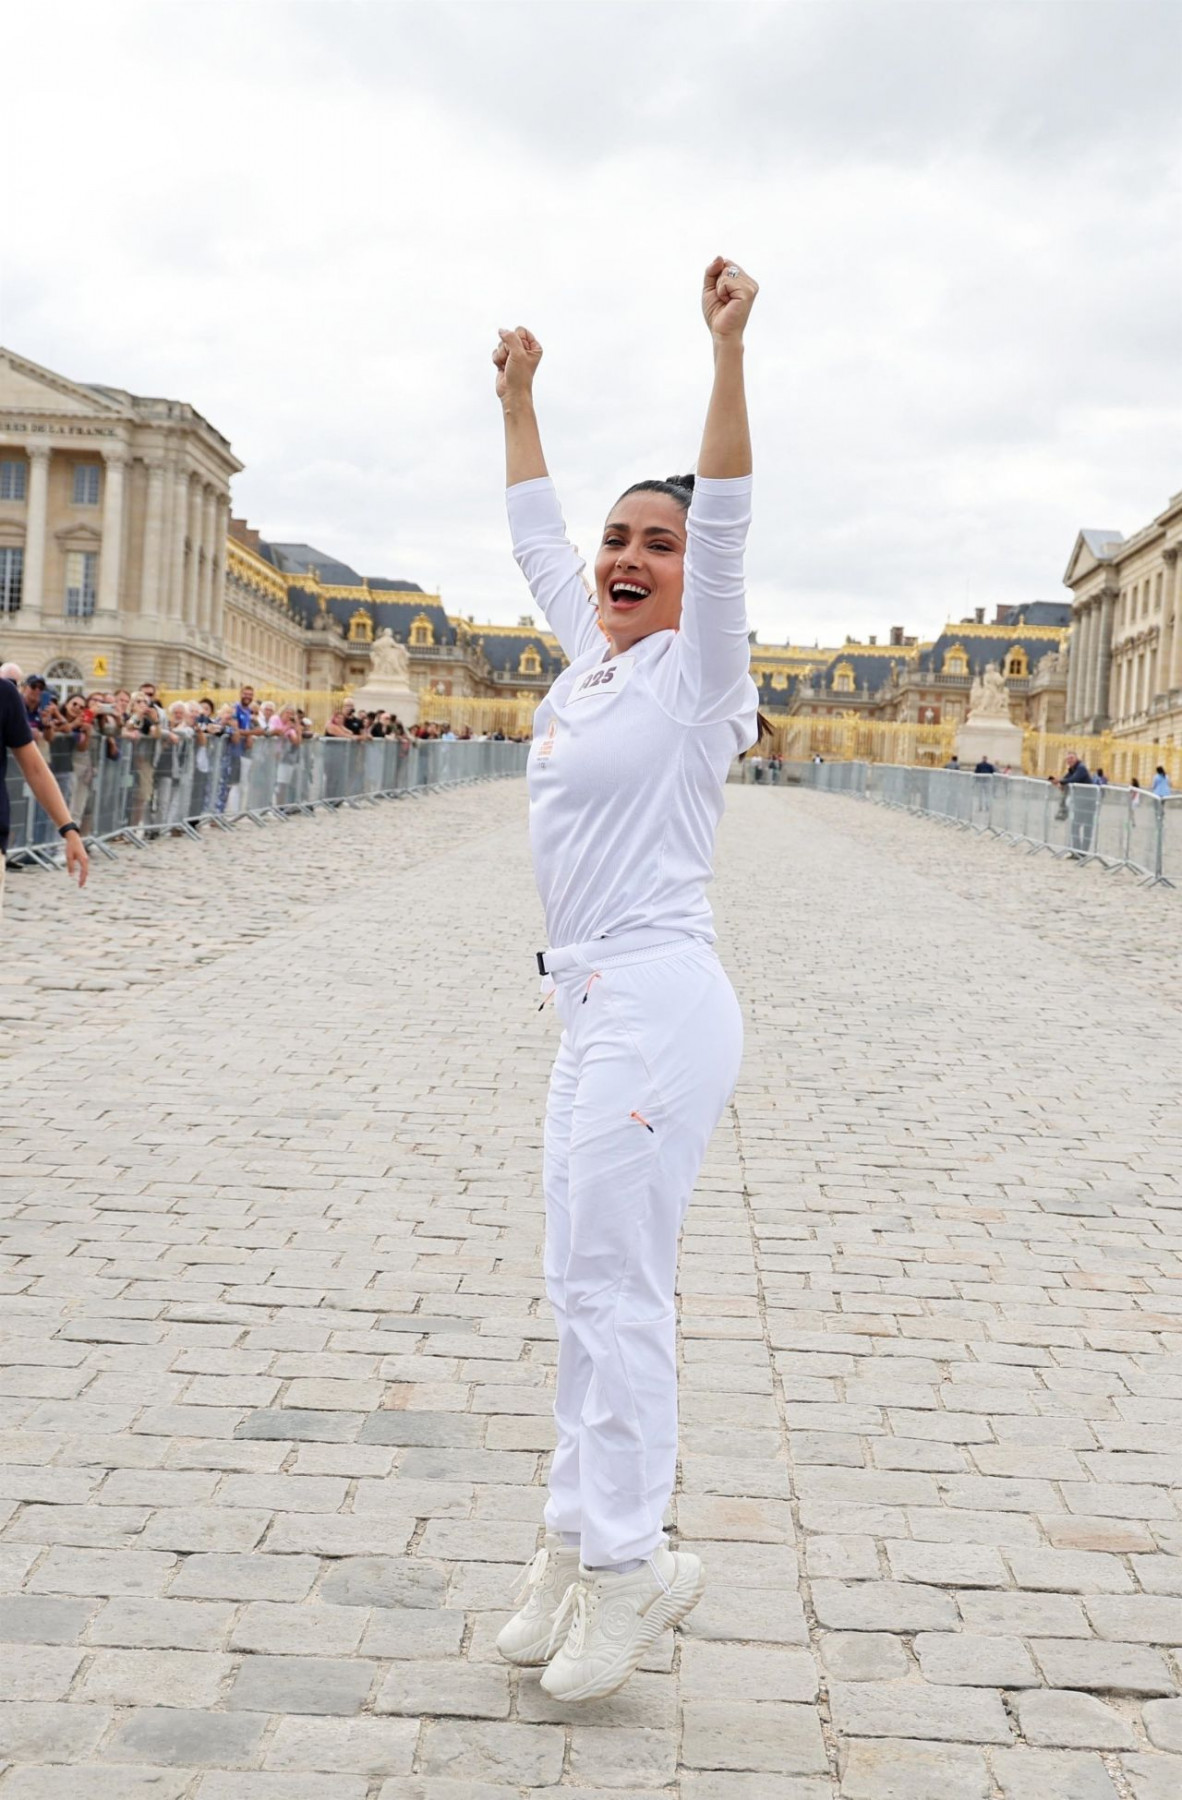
[516, 358]
[728, 294]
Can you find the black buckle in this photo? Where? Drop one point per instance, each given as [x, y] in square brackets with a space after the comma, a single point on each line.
[541, 955]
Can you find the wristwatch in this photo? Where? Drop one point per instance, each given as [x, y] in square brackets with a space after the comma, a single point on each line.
[69, 826]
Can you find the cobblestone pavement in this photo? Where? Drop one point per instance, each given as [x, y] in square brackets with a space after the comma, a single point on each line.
[274, 1354]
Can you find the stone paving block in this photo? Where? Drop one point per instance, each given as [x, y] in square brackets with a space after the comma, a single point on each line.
[883, 1606]
[1023, 1774]
[1163, 1724]
[469, 1690]
[231, 1577]
[37, 1671]
[176, 1737]
[712, 1784]
[301, 1684]
[185, 1678]
[134, 1623]
[1137, 1618]
[38, 1619]
[754, 1735]
[1023, 1615]
[411, 1634]
[528, 1755]
[1152, 1777]
[338, 1534]
[747, 1672]
[343, 1746]
[383, 1581]
[125, 1783]
[36, 1732]
[962, 1659]
[913, 1709]
[257, 1784]
[91, 1572]
[864, 1655]
[271, 1627]
[191, 1530]
[297, 1424]
[1104, 1667]
[1059, 1719]
[892, 1769]
[611, 1757]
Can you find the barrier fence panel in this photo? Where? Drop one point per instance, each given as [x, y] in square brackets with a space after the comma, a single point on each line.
[131, 789]
[1119, 827]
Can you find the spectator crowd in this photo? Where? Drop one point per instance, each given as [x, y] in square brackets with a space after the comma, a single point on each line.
[127, 759]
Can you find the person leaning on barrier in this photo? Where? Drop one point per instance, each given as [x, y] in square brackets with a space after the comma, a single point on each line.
[16, 735]
[1079, 802]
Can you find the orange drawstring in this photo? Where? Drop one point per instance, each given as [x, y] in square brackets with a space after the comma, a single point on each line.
[548, 996]
[596, 977]
[641, 1121]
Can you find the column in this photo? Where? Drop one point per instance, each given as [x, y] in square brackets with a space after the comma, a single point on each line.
[1082, 636]
[111, 553]
[218, 550]
[193, 565]
[36, 514]
[150, 596]
[1172, 604]
[176, 551]
[1104, 621]
[1092, 677]
[208, 545]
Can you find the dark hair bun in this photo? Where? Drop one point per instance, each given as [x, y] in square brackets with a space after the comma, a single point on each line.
[681, 481]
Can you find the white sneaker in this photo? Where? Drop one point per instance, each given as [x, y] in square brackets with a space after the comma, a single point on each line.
[615, 1619]
[528, 1639]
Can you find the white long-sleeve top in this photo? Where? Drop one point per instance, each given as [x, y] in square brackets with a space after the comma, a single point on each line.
[630, 753]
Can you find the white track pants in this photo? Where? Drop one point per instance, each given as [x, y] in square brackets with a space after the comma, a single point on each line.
[650, 1052]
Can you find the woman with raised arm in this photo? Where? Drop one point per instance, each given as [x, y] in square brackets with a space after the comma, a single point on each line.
[630, 754]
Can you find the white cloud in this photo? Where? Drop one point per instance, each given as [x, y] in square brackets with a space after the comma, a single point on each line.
[307, 219]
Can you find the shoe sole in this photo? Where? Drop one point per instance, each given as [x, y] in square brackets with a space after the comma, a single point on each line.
[664, 1613]
[534, 1656]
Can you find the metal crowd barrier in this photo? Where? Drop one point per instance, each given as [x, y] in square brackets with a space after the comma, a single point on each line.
[1117, 827]
[129, 790]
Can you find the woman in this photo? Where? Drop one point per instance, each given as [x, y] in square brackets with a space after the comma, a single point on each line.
[631, 749]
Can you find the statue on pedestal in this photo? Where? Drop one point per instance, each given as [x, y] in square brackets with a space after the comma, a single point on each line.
[389, 663]
[989, 697]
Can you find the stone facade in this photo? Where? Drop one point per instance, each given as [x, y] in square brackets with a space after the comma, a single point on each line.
[113, 514]
[1126, 632]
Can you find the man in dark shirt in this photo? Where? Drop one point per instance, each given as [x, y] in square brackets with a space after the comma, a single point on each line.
[16, 735]
[1079, 796]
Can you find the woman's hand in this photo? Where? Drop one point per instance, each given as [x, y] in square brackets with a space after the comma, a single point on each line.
[728, 294]
[516, 358]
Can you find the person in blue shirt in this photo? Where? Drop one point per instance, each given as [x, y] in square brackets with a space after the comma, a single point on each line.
[1161, 783]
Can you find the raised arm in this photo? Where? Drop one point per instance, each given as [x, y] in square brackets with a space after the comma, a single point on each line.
[547, 560]
[714, 652]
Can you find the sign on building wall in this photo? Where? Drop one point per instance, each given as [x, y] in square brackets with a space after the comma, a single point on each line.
[100, 668]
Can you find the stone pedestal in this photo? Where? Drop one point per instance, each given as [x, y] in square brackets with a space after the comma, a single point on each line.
[998, 739]
[380, 696]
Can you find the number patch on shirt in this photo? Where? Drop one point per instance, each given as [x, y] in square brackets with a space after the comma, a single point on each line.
[603, 681]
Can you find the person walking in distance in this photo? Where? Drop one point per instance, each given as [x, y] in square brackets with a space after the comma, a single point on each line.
[630, 753]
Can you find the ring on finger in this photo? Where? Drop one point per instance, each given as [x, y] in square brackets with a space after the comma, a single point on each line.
[730, 270]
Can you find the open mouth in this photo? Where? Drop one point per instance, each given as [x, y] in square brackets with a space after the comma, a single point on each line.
[627, 594]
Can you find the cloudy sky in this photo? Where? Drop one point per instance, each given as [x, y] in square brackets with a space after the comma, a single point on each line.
[306, 217]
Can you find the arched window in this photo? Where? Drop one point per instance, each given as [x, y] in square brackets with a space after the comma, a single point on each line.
[361, 627]
[843, 678]
[1017, 661]
[422, 632]
[531, 662]
[956, 660]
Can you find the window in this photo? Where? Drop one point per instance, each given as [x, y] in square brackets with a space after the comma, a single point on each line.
[422, 632]
[361, 627]
[530, 662]
[86, 484]
[13, 480]
[843, 679]
[80, 583]
[1017, 662]
[12, 569]
[956, 660]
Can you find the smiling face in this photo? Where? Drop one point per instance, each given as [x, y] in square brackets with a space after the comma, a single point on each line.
[640, 568]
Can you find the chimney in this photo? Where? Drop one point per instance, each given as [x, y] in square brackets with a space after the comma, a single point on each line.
[979, 615]
[873, 641]
[896, 634]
